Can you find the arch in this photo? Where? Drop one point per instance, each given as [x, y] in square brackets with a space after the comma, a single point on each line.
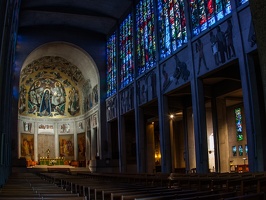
[71, 53]
[64, 73]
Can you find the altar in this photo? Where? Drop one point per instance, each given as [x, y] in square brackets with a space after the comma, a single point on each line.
[51, 161]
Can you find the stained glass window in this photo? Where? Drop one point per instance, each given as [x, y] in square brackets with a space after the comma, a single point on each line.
[145, 36]
[246, 149]
[234, 150]
[126, 52]
[111, 65]
[205, 13]
[171, 25]
[241, 2]
[238, 120]
[240, 150]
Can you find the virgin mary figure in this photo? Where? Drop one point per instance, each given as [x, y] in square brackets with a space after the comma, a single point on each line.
[45, 107]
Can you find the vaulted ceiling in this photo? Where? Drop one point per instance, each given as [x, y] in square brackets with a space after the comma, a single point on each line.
[99, 16]
[81, 25]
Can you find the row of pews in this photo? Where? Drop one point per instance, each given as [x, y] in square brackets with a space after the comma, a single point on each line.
[31, 186]
[161, 186]
[158, 186]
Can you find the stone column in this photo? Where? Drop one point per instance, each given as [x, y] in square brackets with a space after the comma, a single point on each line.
[56, 140]
[122, 143]
[222, 136]
[200, 129]
[36, 128]
[75, 141]
[140, 145]
[191, 152]
[150, 148]
[258, 12]
[19, 138]
[186, 139]
[165, 142]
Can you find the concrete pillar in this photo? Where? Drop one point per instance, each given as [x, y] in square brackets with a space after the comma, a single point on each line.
[200, 130]
[222, 136]
[191, 151]
[165, 141]
[36, 153]
[140, 139]
[56, 140]
[75, 141]
[150, 148]
[186, 137]
[258, 12]
[94, 143]
[122, 147]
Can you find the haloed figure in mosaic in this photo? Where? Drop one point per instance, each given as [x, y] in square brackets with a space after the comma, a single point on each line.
[58, 94]
[45, 108]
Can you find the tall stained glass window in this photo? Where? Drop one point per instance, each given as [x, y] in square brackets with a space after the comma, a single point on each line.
[171, 25]
[126, 52]
[239, 128]
[205, 13]
[111, 65]
[145, 38]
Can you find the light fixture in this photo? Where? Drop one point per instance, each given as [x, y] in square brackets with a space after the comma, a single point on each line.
[244, 160]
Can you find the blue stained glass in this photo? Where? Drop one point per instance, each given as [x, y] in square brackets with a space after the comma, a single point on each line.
[145, 36]
[241, 2]
[171, 26]
[205, 13]
[126, 51]
[228, 8]
[239, 128]
[111, 65]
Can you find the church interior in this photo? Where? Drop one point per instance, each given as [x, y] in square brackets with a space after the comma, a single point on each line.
[161, 93]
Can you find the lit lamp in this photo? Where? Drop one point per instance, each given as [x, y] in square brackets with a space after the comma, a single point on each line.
[157, 157]
[244, 160]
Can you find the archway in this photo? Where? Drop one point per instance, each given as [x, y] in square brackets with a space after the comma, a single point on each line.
[58, 105]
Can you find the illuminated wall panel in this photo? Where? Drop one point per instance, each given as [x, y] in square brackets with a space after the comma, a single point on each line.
[111, 66]
[126, 52]
[145, 38]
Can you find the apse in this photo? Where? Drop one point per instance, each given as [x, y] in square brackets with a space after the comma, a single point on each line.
[58, 105]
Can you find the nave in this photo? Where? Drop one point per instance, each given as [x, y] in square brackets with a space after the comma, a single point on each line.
[80, 185]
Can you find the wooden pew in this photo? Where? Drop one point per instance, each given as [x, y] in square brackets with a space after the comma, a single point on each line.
[157, 193]
[33, 187]
[261, 186]
[59, 170]
[221, 195]
[177, 196]
[255, 196]
[43, 198]
[126, 190]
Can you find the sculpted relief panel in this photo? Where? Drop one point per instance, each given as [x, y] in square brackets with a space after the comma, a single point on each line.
[147, 88]
[175, 72]
[111, 107]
